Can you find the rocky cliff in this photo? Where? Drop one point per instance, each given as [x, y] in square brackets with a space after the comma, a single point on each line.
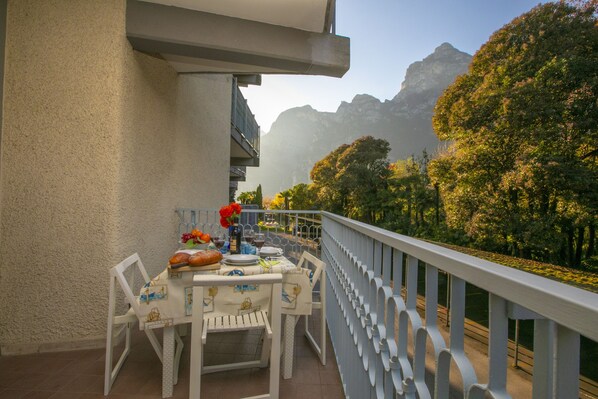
[302, 136]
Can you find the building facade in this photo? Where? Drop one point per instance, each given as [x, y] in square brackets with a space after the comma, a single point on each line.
[100, 143]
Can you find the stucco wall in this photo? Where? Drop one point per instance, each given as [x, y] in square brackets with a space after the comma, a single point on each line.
[100, 144]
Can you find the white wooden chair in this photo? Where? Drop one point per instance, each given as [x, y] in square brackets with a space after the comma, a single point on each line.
[204, 324]
[318, 267]
[128, 319]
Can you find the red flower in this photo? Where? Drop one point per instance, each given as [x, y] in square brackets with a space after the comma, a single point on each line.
[226, 211]
[236, 208]
[229, 214]
[224, 223]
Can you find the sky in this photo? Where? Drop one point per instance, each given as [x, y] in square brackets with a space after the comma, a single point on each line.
[386, 37]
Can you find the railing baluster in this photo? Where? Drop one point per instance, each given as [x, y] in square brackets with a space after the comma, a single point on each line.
[497, 348]
[386, 265]
[544, 335]
[411, 299]
[377, 261]
[567, 363]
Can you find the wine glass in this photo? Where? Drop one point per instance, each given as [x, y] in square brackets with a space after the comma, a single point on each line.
[218, 241]
[249, 236]
[259, 240]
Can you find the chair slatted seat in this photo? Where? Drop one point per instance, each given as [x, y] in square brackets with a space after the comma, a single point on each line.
[269, 322]
[228, 323]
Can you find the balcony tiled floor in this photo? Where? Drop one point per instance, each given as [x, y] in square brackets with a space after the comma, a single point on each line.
[80, 374]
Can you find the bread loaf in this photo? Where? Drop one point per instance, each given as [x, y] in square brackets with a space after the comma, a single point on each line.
[179, 258]
[205, 258]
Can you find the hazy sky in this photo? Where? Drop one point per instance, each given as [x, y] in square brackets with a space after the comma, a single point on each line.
[386, 36]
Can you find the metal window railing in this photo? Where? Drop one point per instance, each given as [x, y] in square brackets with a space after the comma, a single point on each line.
[243, 120]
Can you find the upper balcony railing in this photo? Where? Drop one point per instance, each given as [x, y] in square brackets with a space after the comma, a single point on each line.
[384, 324]
[237, 173]
[243, 122]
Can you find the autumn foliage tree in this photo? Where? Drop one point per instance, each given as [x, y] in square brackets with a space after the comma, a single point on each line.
[522, 173]
[352, 179]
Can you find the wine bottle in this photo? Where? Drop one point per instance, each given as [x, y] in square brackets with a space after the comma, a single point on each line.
[234, 239]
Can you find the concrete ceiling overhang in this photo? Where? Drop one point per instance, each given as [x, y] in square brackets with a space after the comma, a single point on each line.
[194, 40]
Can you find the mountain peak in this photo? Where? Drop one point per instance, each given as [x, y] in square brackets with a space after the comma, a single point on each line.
[302, 136]
[444, 47]
[292, 113]
[435, 72]
[359, 103]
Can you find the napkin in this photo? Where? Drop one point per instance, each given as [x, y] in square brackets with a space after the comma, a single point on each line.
[267, 264]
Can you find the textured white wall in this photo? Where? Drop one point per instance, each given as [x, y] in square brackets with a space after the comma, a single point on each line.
[100, 144]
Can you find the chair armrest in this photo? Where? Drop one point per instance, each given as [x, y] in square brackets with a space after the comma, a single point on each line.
[209, 280]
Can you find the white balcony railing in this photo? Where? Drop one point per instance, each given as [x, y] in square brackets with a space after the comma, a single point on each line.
[293, 231]
[388, 348]
[371, 319]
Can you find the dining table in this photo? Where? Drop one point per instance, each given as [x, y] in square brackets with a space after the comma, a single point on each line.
[166, 302]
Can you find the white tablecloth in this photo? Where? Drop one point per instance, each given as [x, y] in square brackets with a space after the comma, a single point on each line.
[167, 299]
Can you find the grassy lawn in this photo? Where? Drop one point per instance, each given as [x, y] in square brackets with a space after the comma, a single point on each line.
[578, 278]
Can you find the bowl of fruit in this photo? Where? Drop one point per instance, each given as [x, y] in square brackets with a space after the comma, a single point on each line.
[197, 239]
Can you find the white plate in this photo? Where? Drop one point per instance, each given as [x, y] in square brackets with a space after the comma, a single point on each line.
[270, 251]
[241, 259]
[238, 264]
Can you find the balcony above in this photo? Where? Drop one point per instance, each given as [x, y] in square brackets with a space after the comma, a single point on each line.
[245, 132]
[233, 36]
[237, 173]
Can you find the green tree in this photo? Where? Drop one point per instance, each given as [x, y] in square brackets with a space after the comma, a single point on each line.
[351, 180]
[362, 172]
[521, 175]
[303, 197]
[413, 203]
[246, 197]
[259, 199]
[330, 195]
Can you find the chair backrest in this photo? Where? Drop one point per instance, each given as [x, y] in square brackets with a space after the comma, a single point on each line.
[319, 265]
[118, 273]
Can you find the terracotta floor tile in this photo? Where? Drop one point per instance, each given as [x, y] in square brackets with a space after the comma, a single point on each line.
[55, 382]
[329, 377]
[65, 395]
[9, 377]
[75, 367]
[288, 390]
[152, 387]
[98, 396]
[79, 374]
[129, 384]
[13, 393]
[93, 368]
[309, 392]
[307, 363]
[306, 377]
[181, 390]
[332, 392]
[38, 395]
[85, 384]
[27, 381]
